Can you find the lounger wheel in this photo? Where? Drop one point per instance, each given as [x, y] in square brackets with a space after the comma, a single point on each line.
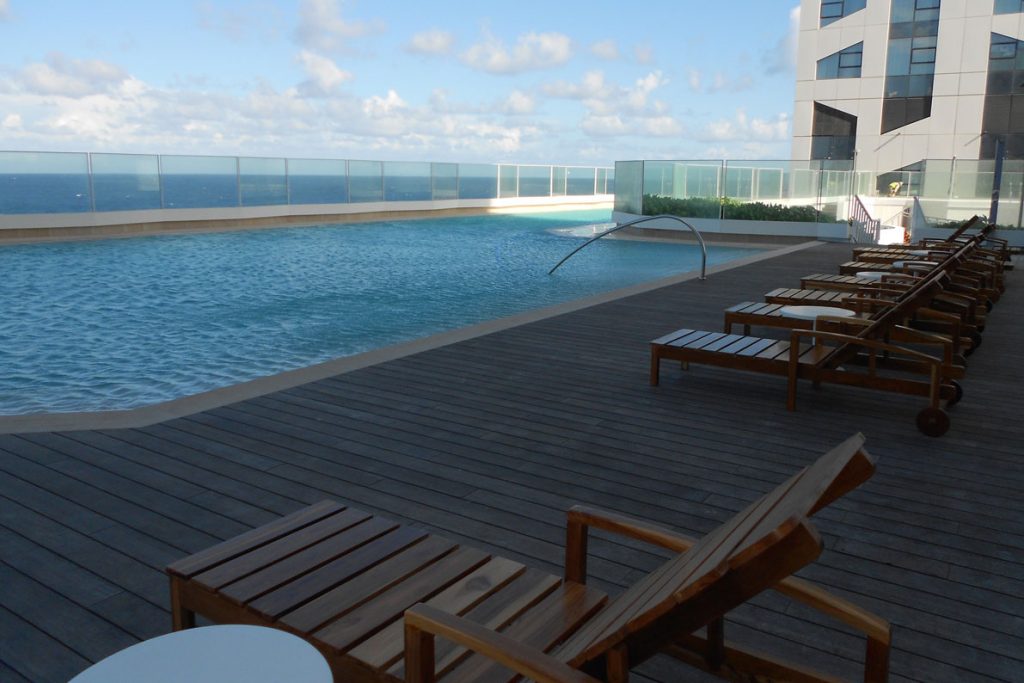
[988, 304]
[975, 341]
[958, 393]
[933, 421]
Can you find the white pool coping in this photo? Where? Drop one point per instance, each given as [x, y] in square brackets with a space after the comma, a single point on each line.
[196, 403]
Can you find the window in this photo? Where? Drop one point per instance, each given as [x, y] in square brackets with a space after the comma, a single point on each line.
[834, 10]
[1003, 117]
[834, 133]
[843, 64]
[910, 62]
[1008, 7]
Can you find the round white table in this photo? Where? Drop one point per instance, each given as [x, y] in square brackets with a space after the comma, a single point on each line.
[873, 275]
[914, 265]
[214, 654]
[814, 312]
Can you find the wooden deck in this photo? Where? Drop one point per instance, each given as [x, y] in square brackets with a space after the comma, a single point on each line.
[489, 440]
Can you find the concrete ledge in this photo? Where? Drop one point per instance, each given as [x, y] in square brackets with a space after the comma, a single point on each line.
[188, 405]
[67, 226]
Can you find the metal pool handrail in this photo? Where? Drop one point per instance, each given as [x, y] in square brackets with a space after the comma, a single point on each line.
[644, 219]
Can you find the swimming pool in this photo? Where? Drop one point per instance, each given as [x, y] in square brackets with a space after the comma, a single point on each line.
[115, 324]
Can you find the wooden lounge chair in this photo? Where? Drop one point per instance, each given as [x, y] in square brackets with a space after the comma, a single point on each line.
[864, 358]
[343, 580]
[939, 312]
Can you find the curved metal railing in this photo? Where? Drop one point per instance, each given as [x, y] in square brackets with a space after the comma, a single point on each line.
[644, 219]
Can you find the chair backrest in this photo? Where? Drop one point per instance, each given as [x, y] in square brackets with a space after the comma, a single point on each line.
[964, 228]
[757, 548]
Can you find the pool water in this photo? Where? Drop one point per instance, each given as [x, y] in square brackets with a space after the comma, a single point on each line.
[114, 324]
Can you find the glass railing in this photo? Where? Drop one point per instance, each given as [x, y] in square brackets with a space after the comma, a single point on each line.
[820, 191]
[57, 182]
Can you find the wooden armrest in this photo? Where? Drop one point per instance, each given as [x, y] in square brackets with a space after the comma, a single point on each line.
[859, 341]
[580, 518]
[818, 598]
[423, 623]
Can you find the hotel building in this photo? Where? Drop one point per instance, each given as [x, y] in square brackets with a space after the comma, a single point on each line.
[889, 84]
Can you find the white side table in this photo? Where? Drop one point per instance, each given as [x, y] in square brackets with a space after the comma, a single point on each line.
[214, 654]
[873, 275]
[814, 312]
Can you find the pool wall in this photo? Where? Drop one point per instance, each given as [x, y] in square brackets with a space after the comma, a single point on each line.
[62, 226]
[715, 229]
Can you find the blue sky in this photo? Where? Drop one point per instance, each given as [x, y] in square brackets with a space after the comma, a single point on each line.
[566, 82]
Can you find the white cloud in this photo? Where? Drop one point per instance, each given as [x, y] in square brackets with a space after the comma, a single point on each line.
[602, 97]
[432, 42]
[694, 77]
[519, 103]
[662, 126]
[257, 19]
[742, 127]
[61, 75]
[321, 27]
[782, 57]
[616, 110]
[592, 87]
[11, 121]
[532, 51]
[5, 9]
[606, 49]
[722, 82]
[637, 96]
[643, 53]
[324, 75]
[383, 106]
[604, 126]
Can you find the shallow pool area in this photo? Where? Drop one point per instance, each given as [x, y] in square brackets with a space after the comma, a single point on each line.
[116, 324]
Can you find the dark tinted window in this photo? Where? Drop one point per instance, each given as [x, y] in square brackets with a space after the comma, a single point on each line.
[1004, 98]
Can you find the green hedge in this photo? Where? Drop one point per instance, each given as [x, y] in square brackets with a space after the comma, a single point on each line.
[953, 225]
[699, 207]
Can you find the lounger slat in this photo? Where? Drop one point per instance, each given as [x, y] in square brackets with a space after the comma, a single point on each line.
[779, 349]
[757, 347]
[809, 487]
[543, 627]
[243, 565]
[355, 578]
[724, 342]
[671, 337]
[706, 340]
[739, 345]
[691, 338]
[312, 558]
[496, 612]
[386, 606]
[386, 648]
[201, 561]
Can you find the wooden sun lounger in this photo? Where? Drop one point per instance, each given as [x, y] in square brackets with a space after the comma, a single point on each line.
[832, 357]
[377, 598]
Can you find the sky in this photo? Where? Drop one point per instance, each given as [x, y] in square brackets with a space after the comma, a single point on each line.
[567, 82]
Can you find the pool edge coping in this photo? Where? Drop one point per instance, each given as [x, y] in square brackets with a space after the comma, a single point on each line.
[145, 416]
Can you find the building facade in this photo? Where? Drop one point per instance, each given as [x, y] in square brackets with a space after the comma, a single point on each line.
[888, 84]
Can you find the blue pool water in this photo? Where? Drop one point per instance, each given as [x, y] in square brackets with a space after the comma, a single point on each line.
[114, 324]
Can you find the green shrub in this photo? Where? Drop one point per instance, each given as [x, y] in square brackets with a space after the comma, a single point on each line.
[701, 207]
